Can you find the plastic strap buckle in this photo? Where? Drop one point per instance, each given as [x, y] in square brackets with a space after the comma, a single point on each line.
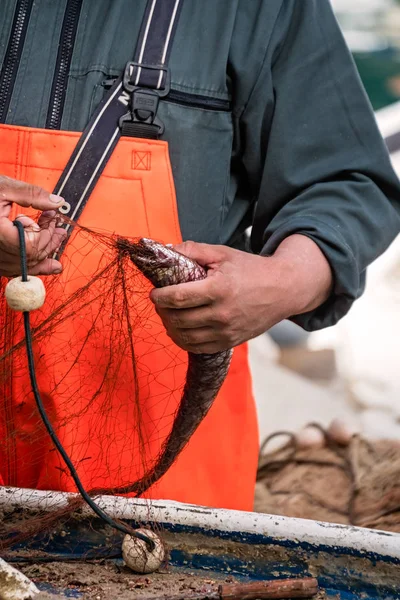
[132, 67]
[143, 111]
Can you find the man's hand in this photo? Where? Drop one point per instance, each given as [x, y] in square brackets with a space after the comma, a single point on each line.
[42, 238]
[243, 295]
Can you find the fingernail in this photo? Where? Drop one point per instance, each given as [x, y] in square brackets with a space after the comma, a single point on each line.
[56, 199]
[57, 271]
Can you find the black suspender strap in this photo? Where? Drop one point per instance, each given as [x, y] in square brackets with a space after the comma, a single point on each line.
[154, 44]
[130, 107]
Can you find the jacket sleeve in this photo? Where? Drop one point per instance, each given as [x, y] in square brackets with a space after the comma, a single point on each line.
[325, 171]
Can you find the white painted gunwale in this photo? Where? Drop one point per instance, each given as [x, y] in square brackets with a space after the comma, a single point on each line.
[327, 536]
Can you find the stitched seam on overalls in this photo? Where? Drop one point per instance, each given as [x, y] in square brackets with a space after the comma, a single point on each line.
[16, 161]
[172, 195]
[143, 200]
[25, 154]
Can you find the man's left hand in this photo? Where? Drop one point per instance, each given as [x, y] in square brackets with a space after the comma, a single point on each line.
[243, 295]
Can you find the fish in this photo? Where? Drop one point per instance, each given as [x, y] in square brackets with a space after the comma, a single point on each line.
[164, 266]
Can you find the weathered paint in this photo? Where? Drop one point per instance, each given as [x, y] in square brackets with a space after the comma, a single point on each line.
[349, 561]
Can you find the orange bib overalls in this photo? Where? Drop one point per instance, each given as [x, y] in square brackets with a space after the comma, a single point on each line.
[134, 196]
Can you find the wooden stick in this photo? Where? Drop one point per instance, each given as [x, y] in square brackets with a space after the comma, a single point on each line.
[279, 589]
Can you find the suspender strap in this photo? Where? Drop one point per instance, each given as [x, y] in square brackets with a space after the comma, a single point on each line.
[130, 107]
[154, 44]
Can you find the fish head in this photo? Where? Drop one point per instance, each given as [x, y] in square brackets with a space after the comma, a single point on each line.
[160, 252]
[161, 264]
[156, 261]
[151, 254]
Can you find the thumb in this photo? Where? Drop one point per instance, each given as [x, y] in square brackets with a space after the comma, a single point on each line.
[27, 195]
[204, 254]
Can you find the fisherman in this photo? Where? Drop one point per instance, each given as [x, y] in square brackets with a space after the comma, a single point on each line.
[267, 125]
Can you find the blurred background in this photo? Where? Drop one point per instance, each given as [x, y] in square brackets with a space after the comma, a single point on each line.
[352, 370]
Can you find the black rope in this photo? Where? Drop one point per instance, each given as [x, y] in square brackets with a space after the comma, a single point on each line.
[35, 388]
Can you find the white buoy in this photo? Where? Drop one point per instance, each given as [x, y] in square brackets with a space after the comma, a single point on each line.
[14, 585]
[138, 557]
[310, 437]
[25, 295]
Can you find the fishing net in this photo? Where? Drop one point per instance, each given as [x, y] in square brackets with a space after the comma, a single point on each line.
[111, 383]
[356, 484]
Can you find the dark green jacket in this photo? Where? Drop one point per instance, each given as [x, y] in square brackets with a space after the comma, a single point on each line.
[298, 151]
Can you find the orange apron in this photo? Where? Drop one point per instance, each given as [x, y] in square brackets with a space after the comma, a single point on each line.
[101, 427]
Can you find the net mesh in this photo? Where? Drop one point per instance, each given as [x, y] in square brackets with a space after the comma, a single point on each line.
[110, 379]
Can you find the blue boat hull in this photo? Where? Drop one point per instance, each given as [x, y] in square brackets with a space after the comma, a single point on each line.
[349, 563]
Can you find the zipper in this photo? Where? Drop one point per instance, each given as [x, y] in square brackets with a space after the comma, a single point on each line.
[64, 56]
[198, 101]
[13, 54]
[186, 99]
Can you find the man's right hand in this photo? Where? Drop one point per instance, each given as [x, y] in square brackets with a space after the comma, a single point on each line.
[42, 238]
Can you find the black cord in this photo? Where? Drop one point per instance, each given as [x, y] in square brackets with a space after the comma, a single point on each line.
[32, 374]
[22, 249]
